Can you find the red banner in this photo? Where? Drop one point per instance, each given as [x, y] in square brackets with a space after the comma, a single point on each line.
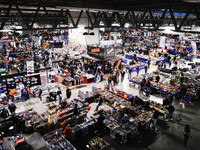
[95, 50]
[110, 51]
[118, 63]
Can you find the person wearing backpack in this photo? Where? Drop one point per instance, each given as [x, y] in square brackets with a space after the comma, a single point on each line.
[23, 94]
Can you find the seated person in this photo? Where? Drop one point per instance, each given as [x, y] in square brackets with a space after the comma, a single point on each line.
[125, 118]
[157, 78]
[75, 110]
[64, 103]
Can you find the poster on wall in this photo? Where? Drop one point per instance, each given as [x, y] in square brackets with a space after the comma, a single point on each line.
[51, 76]
[43, 77]
[58, 79]
[194, 47]
[110, 52]
[162, 42]
[30, 67]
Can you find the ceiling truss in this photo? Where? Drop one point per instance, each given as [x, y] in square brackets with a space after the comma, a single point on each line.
[147, 17]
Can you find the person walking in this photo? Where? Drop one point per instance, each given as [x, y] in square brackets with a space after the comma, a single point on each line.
[146, 68]
[138, 70]
[170, 63]
[155, 118]
[40, 94]
[170, 110]
[59, 94]
[75, 110]
[149, 62]
[100, 102]
[129, 73]
[27, 93]
[12, 108]
[23, 94]
[122, 75]
[68, 93]
[109, 79]
[11, 93]
[186, 134]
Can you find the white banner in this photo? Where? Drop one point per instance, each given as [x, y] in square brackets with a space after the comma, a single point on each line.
[162, 42]
[194, 47]
[30, 67]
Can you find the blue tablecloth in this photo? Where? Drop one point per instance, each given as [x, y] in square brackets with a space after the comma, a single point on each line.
[129, 56]
[187, 99]
[124, 61]
[144, 60]
[137, 82]
[163, 61]
[134, 68]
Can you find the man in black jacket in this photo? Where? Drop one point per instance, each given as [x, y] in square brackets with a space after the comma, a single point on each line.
[12, 108]
[155, 118]
[68, 93]
[171, 110]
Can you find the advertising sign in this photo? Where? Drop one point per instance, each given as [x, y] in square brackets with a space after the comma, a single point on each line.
[95, 50]
[30, 67]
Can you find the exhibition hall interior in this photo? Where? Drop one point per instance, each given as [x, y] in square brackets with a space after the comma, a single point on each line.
[99, 74]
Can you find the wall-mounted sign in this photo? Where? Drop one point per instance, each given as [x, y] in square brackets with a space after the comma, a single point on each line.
[110, 51]
[30, 67]
[95, 50]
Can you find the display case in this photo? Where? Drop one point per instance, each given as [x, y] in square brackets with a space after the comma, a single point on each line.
[56, 141]
[98, 143]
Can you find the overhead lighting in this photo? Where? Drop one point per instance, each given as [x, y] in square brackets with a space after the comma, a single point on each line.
[127, 25]
[115, 24]
[101, 23]
[91, 33]
[192, 1]
[85, 33]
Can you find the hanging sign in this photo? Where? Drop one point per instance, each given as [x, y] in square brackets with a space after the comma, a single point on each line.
[194, 47]
[30, 67]
[95, 50]
[43, 77]
[162, 42]
[110, 51]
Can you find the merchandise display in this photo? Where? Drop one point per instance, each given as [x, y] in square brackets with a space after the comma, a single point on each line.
[56, 141]
[102, 75]
[33, 119]
[135, 66]
[98, 143]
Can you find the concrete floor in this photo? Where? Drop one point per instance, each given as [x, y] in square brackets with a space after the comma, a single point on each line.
[168, 137]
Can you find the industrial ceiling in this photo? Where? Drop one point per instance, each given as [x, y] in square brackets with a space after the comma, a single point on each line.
[137, 12]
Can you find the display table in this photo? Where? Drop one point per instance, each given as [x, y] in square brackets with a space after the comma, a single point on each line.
[162, 61]
[89, 79]
[164, 70]
[142, 59]
[134, 67]
[55, 140]
[136, 80]
[98, 143]
[33, 119]
[128, 56]
[159, 107]
[156, 99]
